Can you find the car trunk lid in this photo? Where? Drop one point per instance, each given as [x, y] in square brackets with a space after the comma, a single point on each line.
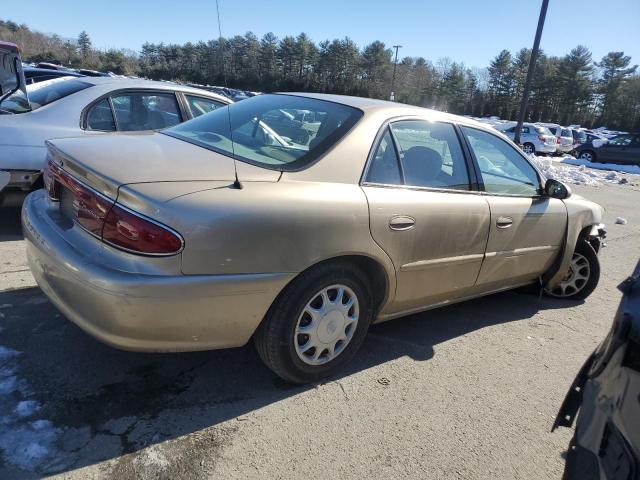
[106, 162]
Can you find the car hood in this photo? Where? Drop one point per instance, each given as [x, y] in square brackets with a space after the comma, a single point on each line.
[107, 162]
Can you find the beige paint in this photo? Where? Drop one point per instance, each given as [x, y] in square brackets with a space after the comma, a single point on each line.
[242, 246]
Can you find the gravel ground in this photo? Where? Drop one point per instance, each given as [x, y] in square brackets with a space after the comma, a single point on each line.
[467, 391]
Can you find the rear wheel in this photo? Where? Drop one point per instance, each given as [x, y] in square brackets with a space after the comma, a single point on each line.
[529, 148]
[317, 324]
[582, 277]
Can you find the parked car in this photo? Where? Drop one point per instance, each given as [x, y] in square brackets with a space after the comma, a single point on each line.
[606, 392]
[35, 75]
[210, 233]
[622, 149]
[579, 136]
[564, 136]
[86, 106]
[533, 138]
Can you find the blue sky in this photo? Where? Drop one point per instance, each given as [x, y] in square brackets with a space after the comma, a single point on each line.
[472, 31]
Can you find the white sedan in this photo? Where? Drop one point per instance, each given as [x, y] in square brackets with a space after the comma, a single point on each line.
[85, 106]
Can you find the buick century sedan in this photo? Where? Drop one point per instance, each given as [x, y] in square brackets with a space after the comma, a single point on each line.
[223, 229]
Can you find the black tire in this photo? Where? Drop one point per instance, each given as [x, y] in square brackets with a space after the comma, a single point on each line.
[531, 146]
[585, 249]
[274, 339]
[586, 153]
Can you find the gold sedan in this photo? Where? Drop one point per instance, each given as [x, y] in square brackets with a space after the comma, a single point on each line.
[297, 220]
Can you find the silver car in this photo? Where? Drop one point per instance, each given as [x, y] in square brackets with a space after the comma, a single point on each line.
[86, 106]
[533, 138]
[224, 229]
[564, 136]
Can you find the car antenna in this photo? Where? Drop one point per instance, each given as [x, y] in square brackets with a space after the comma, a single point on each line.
[236, 182]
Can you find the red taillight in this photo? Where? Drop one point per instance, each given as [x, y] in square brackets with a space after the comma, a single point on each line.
[558, 140]
[89, 208]
[51, 171]
[541, 138]
[107, 220]
[128, 230]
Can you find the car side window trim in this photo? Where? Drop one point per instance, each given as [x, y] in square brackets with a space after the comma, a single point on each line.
[187, 105]
[473, 185]
[125, 91]
[517, 150]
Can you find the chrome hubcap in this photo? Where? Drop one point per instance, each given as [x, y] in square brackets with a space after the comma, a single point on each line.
[326, 325]
[527, 149]
[576, 278]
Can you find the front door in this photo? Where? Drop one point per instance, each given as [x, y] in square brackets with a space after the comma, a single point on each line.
[527, 229]
[621, 149]
[424, 214]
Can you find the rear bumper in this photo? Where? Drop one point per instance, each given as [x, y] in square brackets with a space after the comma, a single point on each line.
[546, 148]
[142, 311]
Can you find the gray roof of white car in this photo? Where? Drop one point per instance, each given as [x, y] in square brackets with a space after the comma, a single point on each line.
[114, 83]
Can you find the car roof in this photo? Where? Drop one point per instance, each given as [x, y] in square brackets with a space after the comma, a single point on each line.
[391, 109]
[115, 83]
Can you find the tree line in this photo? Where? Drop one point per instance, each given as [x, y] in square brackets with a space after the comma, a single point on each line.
[569, 89]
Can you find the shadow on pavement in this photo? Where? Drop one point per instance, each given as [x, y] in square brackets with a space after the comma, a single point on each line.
[103, 402]
[10, 226]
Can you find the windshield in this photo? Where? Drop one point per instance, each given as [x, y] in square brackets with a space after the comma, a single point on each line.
[281, 132]
[41, 94]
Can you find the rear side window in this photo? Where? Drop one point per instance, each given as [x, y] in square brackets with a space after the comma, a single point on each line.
[100, 117]
[200, 105]
[384, 167]
[566, 133]
[43, 93]
[503, 169]
[139, 111]
[281, 132]
[430, 155]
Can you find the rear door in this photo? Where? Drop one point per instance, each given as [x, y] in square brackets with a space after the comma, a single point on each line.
[526, 229]
[424, 213]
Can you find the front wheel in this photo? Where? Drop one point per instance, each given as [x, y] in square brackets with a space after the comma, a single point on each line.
[582, 277]
[317, 324]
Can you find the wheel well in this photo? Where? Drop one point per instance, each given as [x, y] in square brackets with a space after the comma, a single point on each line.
[374, 271]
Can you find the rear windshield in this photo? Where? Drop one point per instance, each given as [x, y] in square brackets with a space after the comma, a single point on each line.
[543, 130]
[41, 94]
[281, 132]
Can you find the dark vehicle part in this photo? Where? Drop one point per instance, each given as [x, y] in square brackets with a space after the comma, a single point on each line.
[606, 393]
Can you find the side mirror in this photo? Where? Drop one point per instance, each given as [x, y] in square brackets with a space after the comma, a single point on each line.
[555, 189]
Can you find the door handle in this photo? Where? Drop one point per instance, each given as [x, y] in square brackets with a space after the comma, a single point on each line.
[401, 222]
[504, 222]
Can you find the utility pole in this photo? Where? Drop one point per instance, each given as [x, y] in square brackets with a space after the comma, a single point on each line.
[393, 79]
[532, 65]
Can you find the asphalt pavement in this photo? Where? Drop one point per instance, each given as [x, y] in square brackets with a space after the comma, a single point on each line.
[468, 391]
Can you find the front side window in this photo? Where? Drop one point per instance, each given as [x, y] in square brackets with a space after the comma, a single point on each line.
[138, 111]
[100, 117]
[503, 170]
[41, 94]
[430, 155]
[621, 140]
[200, 105]
[270, 131]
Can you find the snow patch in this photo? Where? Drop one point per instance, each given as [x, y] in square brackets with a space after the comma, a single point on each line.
[26, 445]
[621, 221]
[26, 408]
[602, 166]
